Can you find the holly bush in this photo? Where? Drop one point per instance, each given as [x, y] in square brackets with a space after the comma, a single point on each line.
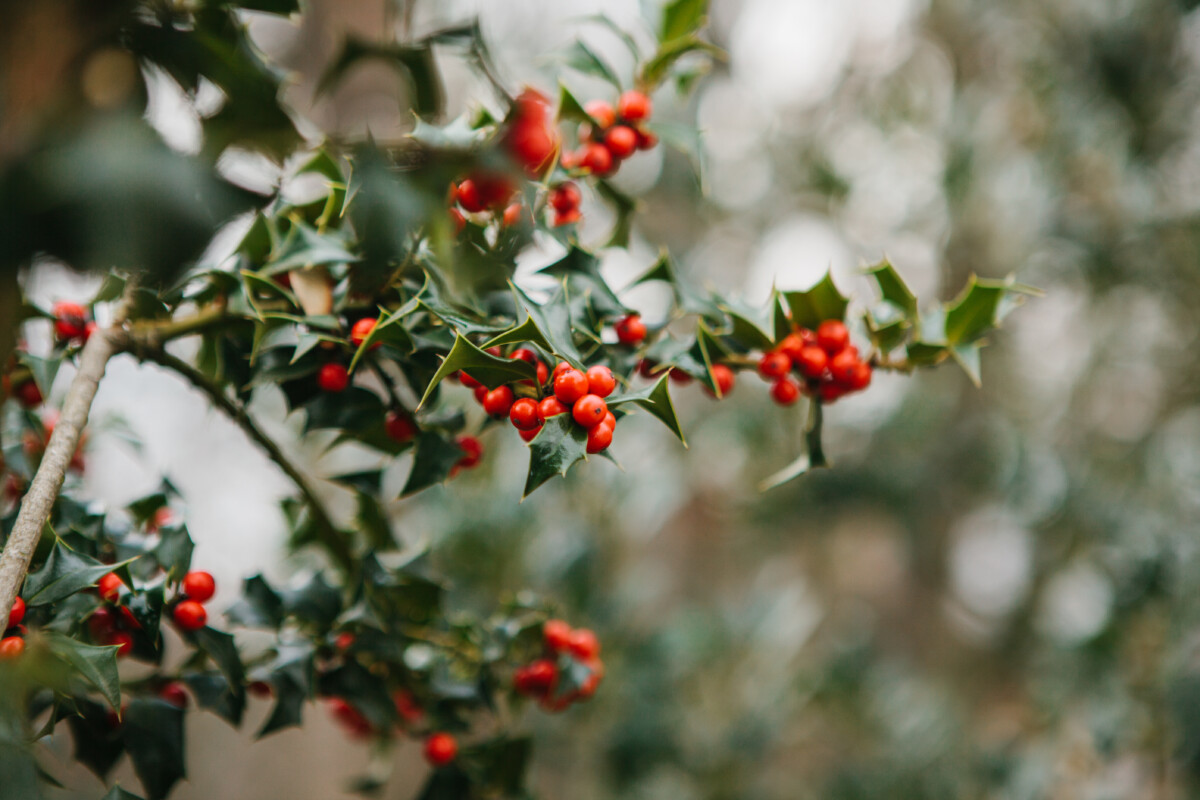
[385, 303]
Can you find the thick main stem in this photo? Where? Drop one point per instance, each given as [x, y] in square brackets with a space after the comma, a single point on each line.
[64, 441]
[330, 536]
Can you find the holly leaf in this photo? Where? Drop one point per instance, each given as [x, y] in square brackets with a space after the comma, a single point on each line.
[98, 744]
[582, 271]
[490, 370]
[584, 59]
[64, 573]
[117, 793]
[553, 321]
[214, 693]
[681, 18]
[434, 457]
[316, 602]
[221, 649]
[558, 446]
[657, 400]
[813, 306]
[260, 606]
[174, 551]
[288, 711]
[979, 308]
[569, 108]
[97, 664]
[153, 733]
[304, 246]
[893, 289]
[812, 457]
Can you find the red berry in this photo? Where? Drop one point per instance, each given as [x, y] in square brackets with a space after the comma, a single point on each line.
[28, 394]
[646, 368]
[647, 140]
[630, 329]
[190, 615]
[583, 644]
[333, 378]
[785, 391]
[560, 368]
[599, 438]
[129, 619]
[570, 385]
[790, 346]
[199, 586]
[830, 392]
[602, 112]
[260, 689]
[531, 434]
[472, 451]
[175, 694]
[610, 420]
[468, 197]
[537, 678]
[407, 706]
[813, 361]
[774, 365]
[556, 634]
[361, 330]
[621, 141]
[565, 197]
[17, 614]
[480, 394]
[163, 517]
[344, 641]
[457, 220]
[532, 137]
[101, 623]
[512, 214]
[589, 410]
[123, 641]
[498, 401]
[349, 717]
[842, 365]
[467, 380]
[440, 749]
[601, 381]
[524, 414]
[860, 377]
[109, 587]
[70, 320]
[597, 159]
[723, 378]
[680, 377]
[400, 427]
[550, 407]
[11, 647]
[543, 374]
[634, 106]
[566, 218]
[832, 336]
[524, 354]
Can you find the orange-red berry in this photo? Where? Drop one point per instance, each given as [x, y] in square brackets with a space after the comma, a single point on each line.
[774, 365]
[634, 106]
[441, 749]
[630, 329]
[333, 377]
[498, 401]
[190, 615]
[556, 634]
[832, 336]
[524, 414]
[785, 391]
[400, 427]
[589, 410]
[199, 586]
[17, 614]
[109, 587]
[601, 381]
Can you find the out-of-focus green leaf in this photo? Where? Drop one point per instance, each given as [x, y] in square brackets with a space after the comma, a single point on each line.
[813, 306]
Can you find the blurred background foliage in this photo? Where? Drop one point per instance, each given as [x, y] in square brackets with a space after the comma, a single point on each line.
[992, 593]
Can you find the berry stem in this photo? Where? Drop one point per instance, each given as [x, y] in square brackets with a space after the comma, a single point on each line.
[330, 537]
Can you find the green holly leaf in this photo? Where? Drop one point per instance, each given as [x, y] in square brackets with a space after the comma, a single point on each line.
[388, 330]
[657, 400]
[813, 456]
[288, 711]
[582, 271]
[893, 289]
[315, 602]
[260, 606]
[681, 18]
[117, 793]
[979, 308]
[669, 52]
[98, 745]
[558, 446]
[886, 336]
[490, 370]
[569, 108]
[553, 321]
[584, 59]
[434, 456]
[221, 649]
[967, 357]
[174, 551]
[97, 665]
[44, 370]
[304, 246]
[214, 693]
[748, 331]
[365, 691]
[812, 307]
[153, 733]
[64, 573]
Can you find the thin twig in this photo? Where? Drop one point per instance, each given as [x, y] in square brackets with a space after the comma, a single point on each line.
[38, 502]
[333, 539]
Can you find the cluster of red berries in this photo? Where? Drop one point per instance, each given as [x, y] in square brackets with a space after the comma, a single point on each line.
[826, 363]
[617, 134]
[12, 644]
[483, 193]
[440, 748]
[114, 623]
[566, 389]
[72, 323]
[540, 679]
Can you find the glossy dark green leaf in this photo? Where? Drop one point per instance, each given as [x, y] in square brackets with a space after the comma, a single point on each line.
[174, 551]
[315, 602]
[569, 108]
[65, 572]
[657, 400]
[582, 271]
[976, 310]
[490, 370]
[214, 693]
[681, 18]
[581, 57]
[893, 289]
[553, 322]
[560, 445]
[504, 761]
[372, 521]
[434, 456]
[44, 370]
[221, 648]
[660, 64]
[365, 691]
[97, 665]
[98, 744]
[288, 711]
[813, 306]
[260, 606]
[153, 733]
